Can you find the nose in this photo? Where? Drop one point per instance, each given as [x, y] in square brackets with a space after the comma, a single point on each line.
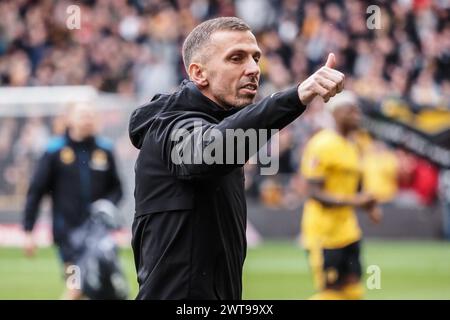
[252, 68]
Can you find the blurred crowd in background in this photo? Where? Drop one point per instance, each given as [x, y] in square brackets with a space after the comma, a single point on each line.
[133, 48]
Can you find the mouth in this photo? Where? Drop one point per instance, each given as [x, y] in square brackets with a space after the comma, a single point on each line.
[250, 88]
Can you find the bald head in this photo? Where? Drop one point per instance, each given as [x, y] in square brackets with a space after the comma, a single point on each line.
[346, 112]
[81, 120]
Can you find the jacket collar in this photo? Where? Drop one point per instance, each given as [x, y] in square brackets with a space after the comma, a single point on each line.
[88, 143]
[197, 101]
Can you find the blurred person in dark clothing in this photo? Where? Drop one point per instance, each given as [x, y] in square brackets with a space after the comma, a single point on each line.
[78, 171]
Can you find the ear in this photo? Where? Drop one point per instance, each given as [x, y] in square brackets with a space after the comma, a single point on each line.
[197, 74]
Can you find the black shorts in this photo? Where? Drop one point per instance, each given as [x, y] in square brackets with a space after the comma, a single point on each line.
[331, 266]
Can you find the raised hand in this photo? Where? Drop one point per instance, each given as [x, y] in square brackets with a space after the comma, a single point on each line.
[325, 82]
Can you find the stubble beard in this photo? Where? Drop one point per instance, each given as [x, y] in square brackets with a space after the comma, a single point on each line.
[240, 101]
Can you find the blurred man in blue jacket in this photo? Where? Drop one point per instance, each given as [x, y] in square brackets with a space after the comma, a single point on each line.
[78, 171]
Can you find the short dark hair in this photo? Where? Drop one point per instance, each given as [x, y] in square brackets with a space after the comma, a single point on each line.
[201, 34]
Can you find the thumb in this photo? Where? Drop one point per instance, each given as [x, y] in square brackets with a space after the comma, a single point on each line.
[331, 61]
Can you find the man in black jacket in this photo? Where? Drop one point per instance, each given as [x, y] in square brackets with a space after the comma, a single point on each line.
[78, 170]
[189, 228]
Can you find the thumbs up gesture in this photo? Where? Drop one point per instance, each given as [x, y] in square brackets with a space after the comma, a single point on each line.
[325, 82]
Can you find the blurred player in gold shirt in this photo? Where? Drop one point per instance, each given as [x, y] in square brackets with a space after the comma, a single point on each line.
[331, 165]
[380, 172]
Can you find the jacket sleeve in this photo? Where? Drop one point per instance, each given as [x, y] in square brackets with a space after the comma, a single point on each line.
[115, 192]
[184, 144]
[40, 185]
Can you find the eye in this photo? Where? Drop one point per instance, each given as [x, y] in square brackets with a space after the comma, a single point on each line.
[235, 58]
[256, 58]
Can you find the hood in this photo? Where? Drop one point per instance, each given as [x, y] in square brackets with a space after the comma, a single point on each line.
[140, 121]
[187, 98]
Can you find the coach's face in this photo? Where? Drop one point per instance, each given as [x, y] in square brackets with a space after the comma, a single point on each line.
[230, 68]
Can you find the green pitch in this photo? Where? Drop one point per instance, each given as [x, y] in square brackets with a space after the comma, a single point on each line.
[275, 270]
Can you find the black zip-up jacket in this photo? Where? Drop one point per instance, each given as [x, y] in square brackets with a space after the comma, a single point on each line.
[75, 174]
[189, 229]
